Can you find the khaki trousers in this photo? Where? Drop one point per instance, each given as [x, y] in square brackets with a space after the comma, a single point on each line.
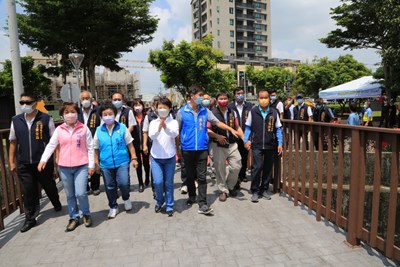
[226, 175]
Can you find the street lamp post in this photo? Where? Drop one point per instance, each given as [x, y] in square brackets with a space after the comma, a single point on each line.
[76, 60]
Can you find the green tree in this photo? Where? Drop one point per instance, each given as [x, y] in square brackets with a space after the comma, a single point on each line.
[370, 24]
[324, 73]
[221, 80]
[99, 29]
[270, 78]
[33, 79]
[185, 64]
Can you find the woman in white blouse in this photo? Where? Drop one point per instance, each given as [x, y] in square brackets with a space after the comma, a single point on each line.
[163, 131]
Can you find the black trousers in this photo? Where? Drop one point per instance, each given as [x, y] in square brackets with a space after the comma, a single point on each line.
[196, 169]
[262, 169]
[143, 161]
[183, 171]
[30, 178]
[244, 154]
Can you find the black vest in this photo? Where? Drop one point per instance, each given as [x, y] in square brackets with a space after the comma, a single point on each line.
[31, 144]
[230, 121]
[322, 115]
[124, 117]
[263, 130]
[247, 106]
[93, 120]
[287, 114]
[137, 134]
[151, 115]
[302, 114]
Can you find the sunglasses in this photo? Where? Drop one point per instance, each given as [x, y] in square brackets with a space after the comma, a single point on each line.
[26, 102]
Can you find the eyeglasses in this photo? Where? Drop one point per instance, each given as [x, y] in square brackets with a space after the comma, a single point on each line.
[26, 102]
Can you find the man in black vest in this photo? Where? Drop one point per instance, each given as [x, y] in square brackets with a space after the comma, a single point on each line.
[225, 148]
[29, 134]
[276, 103]
[321, 113]
[302, 112]
[90, 117]
[124, 114]
[264, 127]
[242, 108]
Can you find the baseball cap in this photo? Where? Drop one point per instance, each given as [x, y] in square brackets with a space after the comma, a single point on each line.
[299, 96]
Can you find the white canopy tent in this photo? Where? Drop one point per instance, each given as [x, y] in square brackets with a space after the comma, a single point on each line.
[364, 87]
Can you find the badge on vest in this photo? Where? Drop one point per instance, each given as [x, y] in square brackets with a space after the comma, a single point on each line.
[323, 116]
[123, 120]
[201, 124]
[92, 123]
[39, 130]
[302, 114]
[78, 140]
[271, 123]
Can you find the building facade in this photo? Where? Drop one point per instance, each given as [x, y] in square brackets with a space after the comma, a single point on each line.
[241, 28]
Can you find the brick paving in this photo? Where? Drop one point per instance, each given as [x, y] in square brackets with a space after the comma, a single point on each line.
[241, 233]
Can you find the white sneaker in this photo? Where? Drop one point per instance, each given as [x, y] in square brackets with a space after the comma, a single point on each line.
[128, 204]
[112, 213]
[184, 189]
[196, 184]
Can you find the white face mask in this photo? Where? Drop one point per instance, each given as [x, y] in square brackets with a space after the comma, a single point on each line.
[27, 109]
[70, 118]
[163, 113]
[85, 103]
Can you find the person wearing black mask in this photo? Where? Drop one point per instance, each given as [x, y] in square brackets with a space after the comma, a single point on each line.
[242, 108]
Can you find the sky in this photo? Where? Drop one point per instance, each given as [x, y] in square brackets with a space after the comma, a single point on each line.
[296, 27]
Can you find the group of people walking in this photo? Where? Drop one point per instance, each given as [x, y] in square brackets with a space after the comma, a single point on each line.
[105, 140]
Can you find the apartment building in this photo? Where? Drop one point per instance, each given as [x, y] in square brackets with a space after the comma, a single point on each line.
[241, 28]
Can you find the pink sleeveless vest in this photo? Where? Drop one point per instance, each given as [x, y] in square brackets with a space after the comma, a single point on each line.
[73, 149]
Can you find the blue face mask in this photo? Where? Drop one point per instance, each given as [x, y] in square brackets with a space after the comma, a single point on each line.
[199, 100]
[318, 106]
[205, 103]
[240, 98]
[117, 104]
[273, 98]
[300, 101]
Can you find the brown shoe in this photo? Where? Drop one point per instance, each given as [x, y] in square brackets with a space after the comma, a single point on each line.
[222, 197]
[72, 224]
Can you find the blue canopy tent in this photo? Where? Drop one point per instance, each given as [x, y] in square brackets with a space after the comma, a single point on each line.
[364, 87]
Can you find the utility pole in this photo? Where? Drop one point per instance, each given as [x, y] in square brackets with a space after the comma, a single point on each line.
[15, 54]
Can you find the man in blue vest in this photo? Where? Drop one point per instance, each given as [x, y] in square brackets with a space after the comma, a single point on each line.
[242, 108]
[91, 118]
[29, 134]
[193, 119]
[264, 127]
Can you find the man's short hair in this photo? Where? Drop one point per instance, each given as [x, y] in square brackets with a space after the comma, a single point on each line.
[30, 95]
[222, 93]
[237, 89]
[195, 89]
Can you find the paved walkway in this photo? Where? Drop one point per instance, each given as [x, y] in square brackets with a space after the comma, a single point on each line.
[241, 233]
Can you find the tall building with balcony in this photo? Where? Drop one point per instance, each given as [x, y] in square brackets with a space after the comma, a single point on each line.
[241, 28]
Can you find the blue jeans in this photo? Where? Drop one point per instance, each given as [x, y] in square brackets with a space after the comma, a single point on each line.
[75, 181]
[116, 178]
[163, 176]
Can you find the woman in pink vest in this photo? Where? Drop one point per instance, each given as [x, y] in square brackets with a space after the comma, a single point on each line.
[75, 162]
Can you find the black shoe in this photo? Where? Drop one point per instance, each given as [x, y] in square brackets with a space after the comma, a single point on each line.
[205, 210]
[237, 186]
[28, 225]
[244, 180]
[158, 209]
[141, 188]
[146, 182]
[190, 201]
[233, 193]
[170, 213]
[58, 208]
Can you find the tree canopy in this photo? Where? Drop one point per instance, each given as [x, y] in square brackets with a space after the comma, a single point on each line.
[33, 79]
[370, 24]
[99, 29]
[270, 78]
[324, 73]
[189, 63]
